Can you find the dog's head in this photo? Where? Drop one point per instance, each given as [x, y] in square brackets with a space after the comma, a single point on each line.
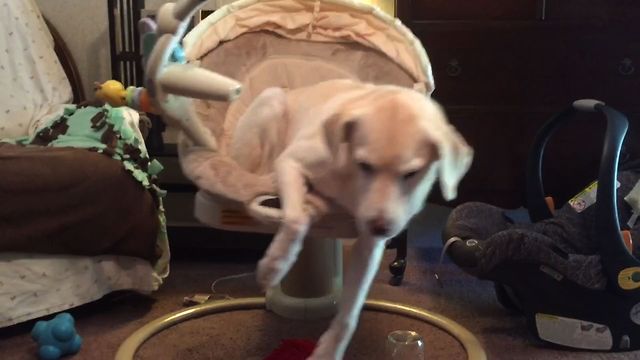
[396, 142]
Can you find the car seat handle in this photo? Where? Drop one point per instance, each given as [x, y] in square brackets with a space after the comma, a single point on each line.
[617, 260]
[587, 105]
[535, 194]
[621, 267]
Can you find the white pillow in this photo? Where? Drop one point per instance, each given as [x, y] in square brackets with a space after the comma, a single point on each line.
[34, 85]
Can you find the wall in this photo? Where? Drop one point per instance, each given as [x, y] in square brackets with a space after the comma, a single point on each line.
[387, 6]
[84, 26]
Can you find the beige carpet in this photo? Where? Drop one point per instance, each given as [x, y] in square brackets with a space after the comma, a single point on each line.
[253, 334]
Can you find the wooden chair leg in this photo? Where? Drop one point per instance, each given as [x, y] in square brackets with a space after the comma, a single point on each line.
[399, 264]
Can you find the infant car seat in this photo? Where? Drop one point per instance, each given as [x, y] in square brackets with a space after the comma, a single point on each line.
[571, 272]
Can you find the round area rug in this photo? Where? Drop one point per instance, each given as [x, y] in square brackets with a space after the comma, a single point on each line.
[253, 334]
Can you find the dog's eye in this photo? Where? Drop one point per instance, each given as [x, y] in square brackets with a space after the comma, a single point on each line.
[410, 174]
[366, 167]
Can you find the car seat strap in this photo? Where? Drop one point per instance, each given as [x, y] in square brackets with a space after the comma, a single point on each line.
[633, 199]
[444, 250]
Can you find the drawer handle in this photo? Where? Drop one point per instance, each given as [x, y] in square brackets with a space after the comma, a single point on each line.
[626, 67]
[453, 68]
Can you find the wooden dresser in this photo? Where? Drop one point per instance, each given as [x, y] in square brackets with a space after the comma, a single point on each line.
[503, 67]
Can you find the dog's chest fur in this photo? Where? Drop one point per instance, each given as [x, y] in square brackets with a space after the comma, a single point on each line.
[337, 185]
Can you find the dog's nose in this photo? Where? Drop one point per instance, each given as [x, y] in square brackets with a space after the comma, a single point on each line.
[379, 226]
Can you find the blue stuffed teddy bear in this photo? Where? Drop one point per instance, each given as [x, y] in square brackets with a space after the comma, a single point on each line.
[56, 337]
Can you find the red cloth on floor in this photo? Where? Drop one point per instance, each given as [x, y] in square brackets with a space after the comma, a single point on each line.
[292, 349]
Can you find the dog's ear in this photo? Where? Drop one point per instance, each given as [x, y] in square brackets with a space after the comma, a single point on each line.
[338, 130]
[455, 157]
[453, 153]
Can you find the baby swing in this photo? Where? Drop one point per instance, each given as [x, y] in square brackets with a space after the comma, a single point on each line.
[289, 44]
[572, 272]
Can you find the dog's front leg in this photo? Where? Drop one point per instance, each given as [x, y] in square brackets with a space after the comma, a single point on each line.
[363, 266]
[287, 243]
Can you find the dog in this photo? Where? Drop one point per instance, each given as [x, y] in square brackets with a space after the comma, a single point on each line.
[374, 150]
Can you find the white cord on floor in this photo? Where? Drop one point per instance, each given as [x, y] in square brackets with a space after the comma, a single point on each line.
[444, 250]
[230, 277]
[202, 298]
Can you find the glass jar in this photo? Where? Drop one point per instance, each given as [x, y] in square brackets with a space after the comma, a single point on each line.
[404, 345]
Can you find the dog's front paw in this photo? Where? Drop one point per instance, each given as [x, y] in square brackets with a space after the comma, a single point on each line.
[270, 271]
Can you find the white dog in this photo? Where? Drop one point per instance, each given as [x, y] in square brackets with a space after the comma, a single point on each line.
[374, 150]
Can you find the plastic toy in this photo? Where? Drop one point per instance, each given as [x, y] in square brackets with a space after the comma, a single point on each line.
[56, 337]
[111, 92]
[115, 94]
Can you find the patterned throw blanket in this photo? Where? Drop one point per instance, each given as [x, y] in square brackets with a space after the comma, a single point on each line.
[106, 130]
[113, 132]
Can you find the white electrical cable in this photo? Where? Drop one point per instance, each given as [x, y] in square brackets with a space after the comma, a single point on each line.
[213, 296]
[230, 277]
[444, 250]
